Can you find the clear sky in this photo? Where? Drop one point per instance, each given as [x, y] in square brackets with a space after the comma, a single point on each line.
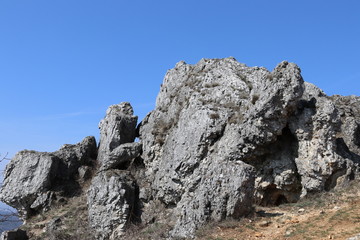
[63, 62]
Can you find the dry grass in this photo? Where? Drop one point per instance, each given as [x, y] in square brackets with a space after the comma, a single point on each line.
[73, 223]
[331, 215]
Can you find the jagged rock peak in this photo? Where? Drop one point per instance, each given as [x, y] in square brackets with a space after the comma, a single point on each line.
[118, 127]
[123, 108]
[113, 194]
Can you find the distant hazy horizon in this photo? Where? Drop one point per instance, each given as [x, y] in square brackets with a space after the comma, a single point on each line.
[8, 223]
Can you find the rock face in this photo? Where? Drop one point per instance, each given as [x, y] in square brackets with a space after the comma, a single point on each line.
[34, 179]
[111, 200]
[209, 126]
[113, 194]
[31, 176]
[118, 127]
[222, 137]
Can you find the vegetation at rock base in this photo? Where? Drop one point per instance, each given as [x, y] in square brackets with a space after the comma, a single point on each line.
[329, 215]
[69, 221]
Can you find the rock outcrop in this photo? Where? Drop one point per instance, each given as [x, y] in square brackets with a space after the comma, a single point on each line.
[111, 201]
[210, 122]
[113, 194]
[222, 137]
[35, 180]
[118, 127]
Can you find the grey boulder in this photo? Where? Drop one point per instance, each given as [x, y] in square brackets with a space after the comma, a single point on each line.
[32, 178]
[27, 178]
[111, 203]
[121, 157]
[118, 127]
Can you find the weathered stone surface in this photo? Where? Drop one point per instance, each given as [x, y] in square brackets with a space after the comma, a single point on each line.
[349, 111]
[316, 126]
[28, 175]
[113, 193]
[215, 195]
[75, 155]
[84, 173]
[32, 177]
[118, 127]
[210, 118]
[121, 157]
[111, 203]
[16, 234]
[357, 237]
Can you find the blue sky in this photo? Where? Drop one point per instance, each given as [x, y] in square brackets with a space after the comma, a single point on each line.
[63, 62]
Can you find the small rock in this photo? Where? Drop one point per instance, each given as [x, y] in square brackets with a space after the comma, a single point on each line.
[282, 220]
[16, 234]
[259, 235]
[288, 232]
[264, 223]
[294, 221]
[84, 173]
[54, 224]
[301, 210]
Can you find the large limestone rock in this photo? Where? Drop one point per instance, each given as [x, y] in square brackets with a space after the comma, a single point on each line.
[209, 126]
[111, 200]
[75, 155]
[118, 127]
[315, 126]
[121, 157]
[113, 194]
[33, 179]
[27, 177]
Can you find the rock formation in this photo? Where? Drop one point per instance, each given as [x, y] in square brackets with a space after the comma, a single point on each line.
[223, 136]
[112, 197]
[35, 180]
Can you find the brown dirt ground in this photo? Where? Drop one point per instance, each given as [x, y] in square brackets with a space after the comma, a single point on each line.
[331, 215]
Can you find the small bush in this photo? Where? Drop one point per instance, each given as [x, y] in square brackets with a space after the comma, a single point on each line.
[214, 116]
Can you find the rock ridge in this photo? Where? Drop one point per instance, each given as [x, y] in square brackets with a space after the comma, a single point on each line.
[222, 137]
